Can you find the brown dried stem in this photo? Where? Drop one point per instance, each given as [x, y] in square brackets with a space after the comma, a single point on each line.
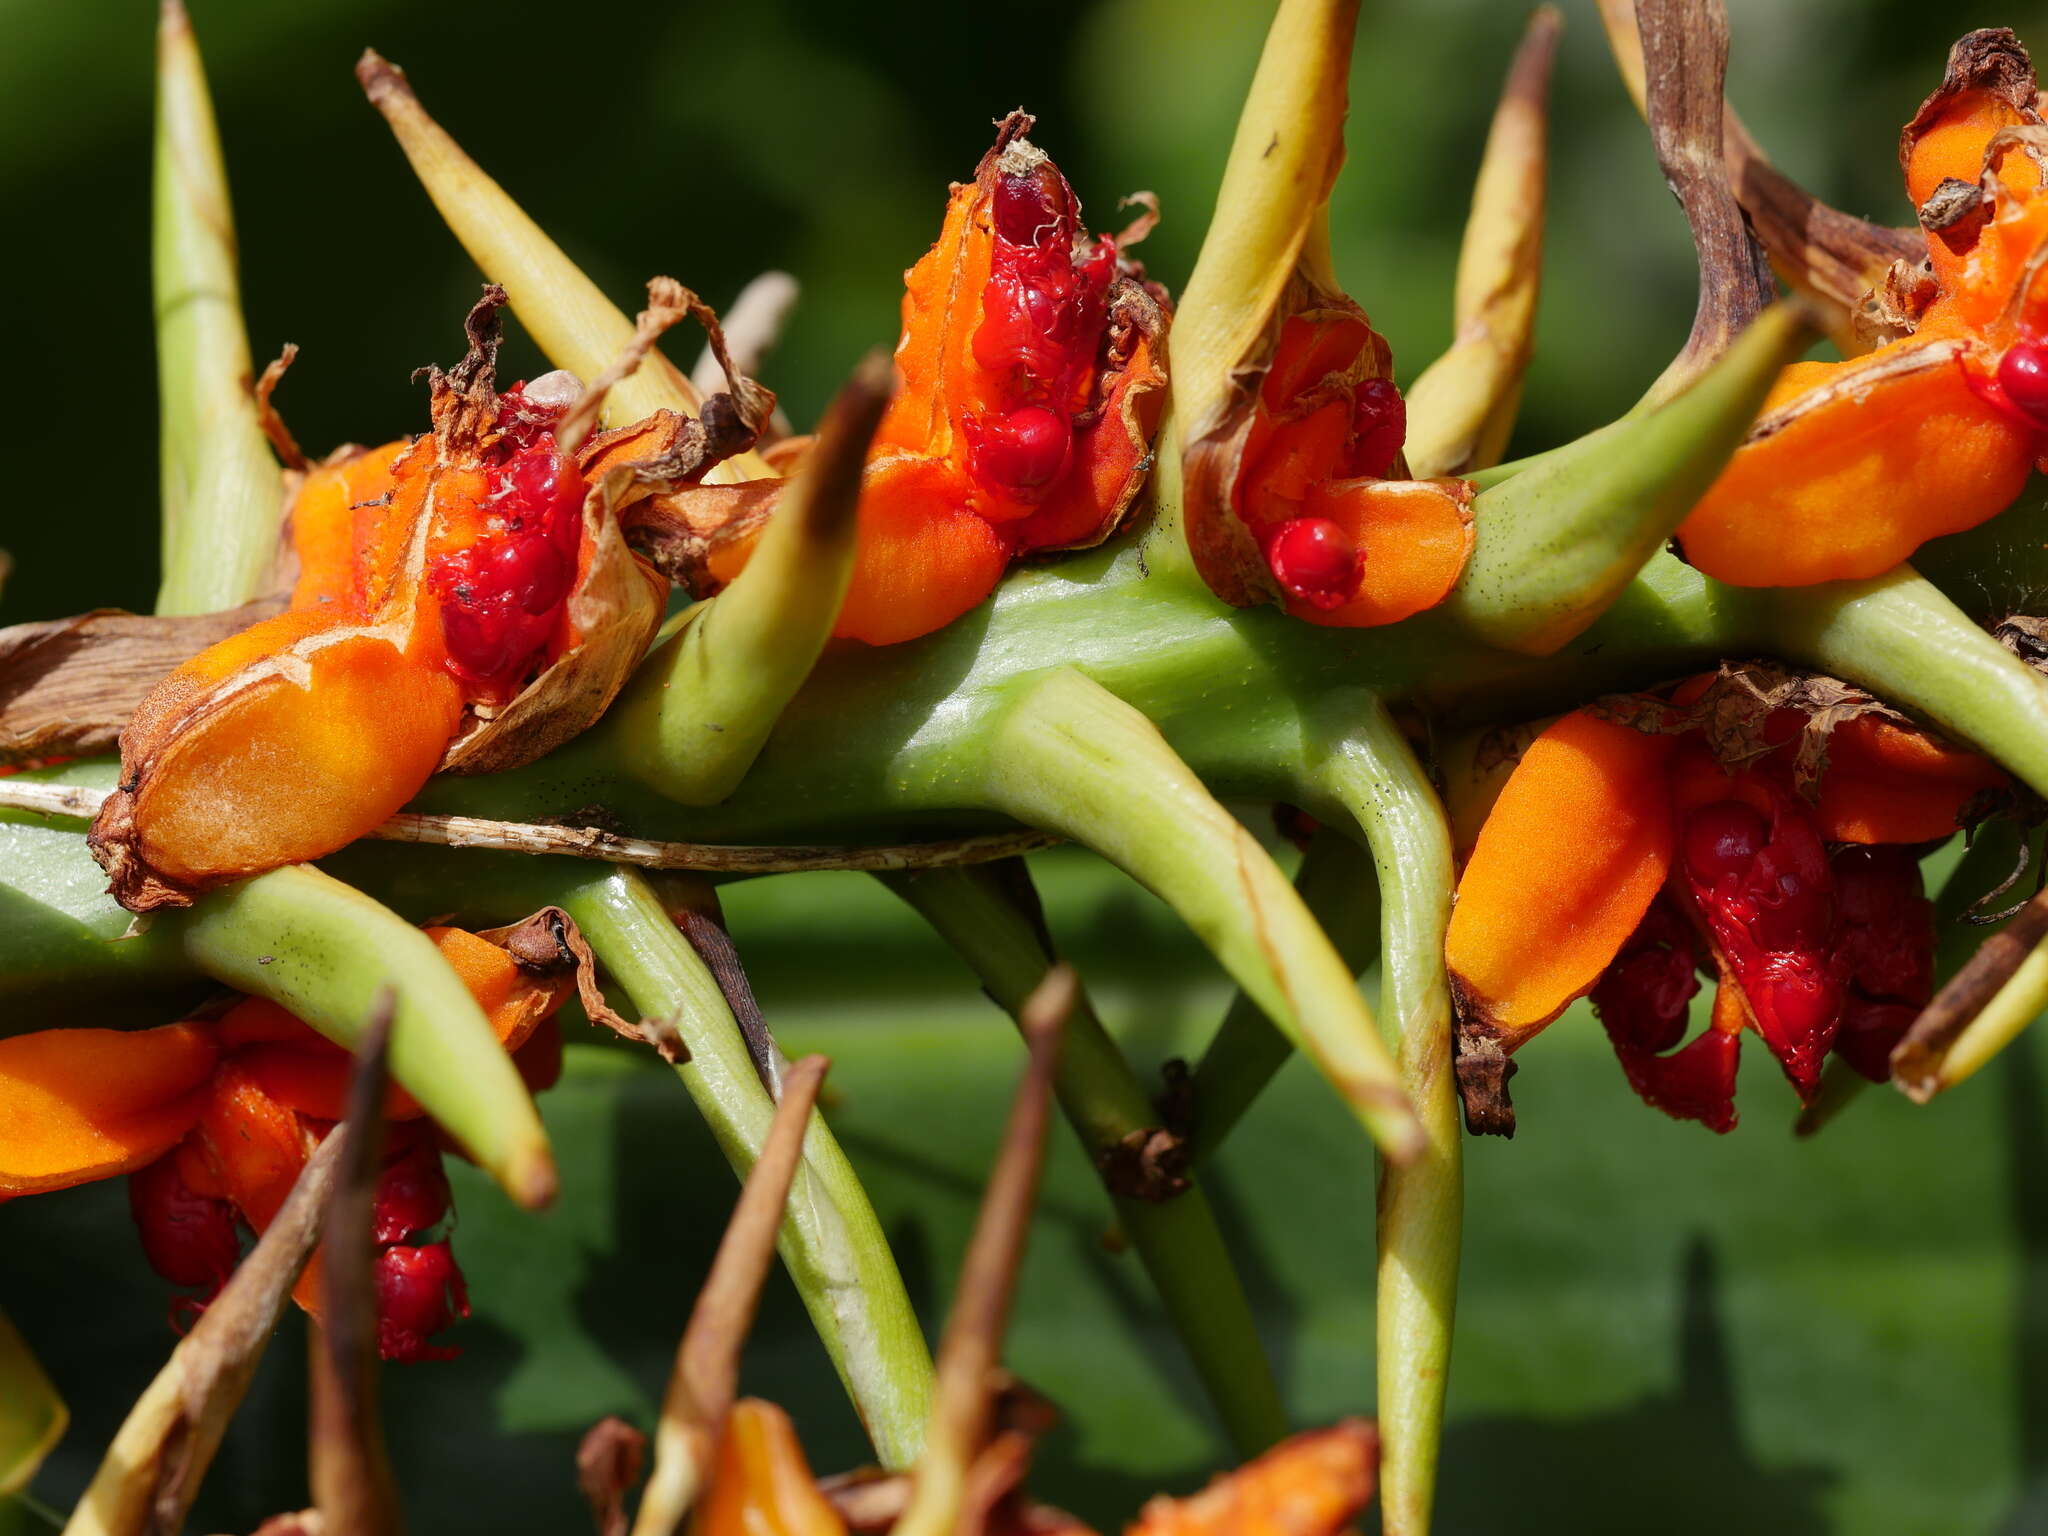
[1685, 60]
[83, 801]
[353, 1488]
[706, 1375]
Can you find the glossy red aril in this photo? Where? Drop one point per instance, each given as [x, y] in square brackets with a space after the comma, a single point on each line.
[189, 1238]
[1315, 561]
[1022, 450]
[412, 1193]
[501, 596]
[2023, 378]
[1644, 1001]
[1722, 840]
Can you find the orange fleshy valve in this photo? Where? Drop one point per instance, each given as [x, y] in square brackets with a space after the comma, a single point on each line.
[759, 1483]
[1313, 1484]
[1853, 465]
[215, 1119]
[453, 595]
[1031, 369]
[1298, 495]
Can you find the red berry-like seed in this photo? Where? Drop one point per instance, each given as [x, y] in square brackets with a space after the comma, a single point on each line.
[189, 1238]
[1024, 449]
[1722, 840]
[2023, 376]
[1315, 562]
[1029, 208]
[419, 1292]
[1379, 423]
[1869, 1032]
[412, 1194]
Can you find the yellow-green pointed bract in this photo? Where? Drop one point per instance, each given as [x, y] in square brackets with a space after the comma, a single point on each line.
[1559, 542]
[700, 708]
[324, 952]
[223, 496]
[568, 315]
[1462, 407]
[1072, 758]
[1289, 144]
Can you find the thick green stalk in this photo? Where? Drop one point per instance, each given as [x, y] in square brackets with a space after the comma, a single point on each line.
[326, 953]
[1337, 886]
[831, 1242]
[698, 710]
[1560, 542]
[989, 915]
[222, 495]
[1369, 767]
[1072, 758]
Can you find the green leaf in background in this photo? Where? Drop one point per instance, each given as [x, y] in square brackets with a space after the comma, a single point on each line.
[1659, 1328]
[32, 1420]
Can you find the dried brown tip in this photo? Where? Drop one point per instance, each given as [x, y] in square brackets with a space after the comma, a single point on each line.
[1990, 62]
[153, 1469]
[281, 440]
[971, 1351]
[608, 1463]
[706, 1376]
[353, 1488]
[1918, 1059]
[382, 81]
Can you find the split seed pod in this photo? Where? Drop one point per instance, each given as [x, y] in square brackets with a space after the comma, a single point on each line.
[1295, 488]
[465, 602]
[1853, 465]
[1032, 372]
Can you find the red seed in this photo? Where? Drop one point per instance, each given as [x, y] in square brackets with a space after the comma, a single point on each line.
[1315, 562]
[189, 1238]
[1379, 424]
[1722, 841]
[2023, 376]
[420, 1291]
[412, 1194]
[1869, 1032]
[1023, 450]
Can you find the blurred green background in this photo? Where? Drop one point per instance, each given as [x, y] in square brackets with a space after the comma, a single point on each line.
[1660, 1330]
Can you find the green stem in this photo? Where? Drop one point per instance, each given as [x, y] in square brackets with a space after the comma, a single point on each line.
[1897, 636]
[1336, 884]
[831, 1242]
[989, 914]
[1072, 758]
[326, 953]
[1369, 767]
[223, 498]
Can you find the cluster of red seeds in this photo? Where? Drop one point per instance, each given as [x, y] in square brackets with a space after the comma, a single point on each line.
[1831, 950]
[501, 596]
[195, 1240]
[1313, 559]
[1043, 313]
